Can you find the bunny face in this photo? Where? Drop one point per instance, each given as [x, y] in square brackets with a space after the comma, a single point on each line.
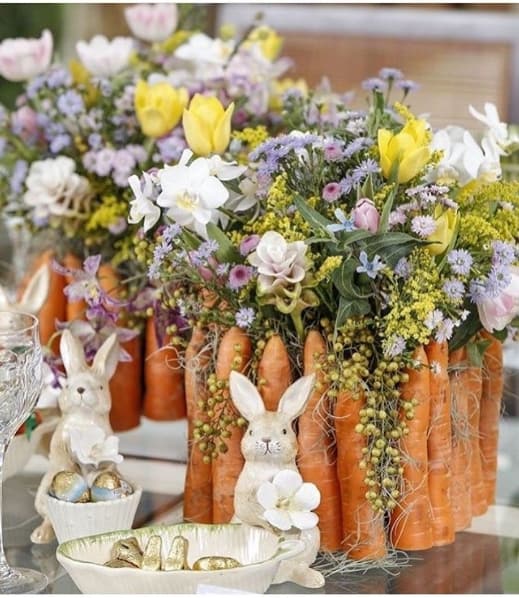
[269, 438]
[84, 391]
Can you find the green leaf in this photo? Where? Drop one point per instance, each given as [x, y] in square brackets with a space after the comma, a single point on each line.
[354, 236]
[386, 210]
[466, 331]
[350, 308]
[226, 251]
[501, 335]
[476, 352]
[314, 219]
[190, 239]
[367, 189]
[343, 279]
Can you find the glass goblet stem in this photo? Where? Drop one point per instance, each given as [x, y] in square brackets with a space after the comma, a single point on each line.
[5, 570]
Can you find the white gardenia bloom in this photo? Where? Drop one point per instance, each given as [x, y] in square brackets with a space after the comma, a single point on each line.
[22, 59]
[279, 263]
[103, 57]
[463, 159]
[206, 55]
[142, 207]
[91, 446]
[55, 189]
[288, 501]
[191, 193]
[152, 22]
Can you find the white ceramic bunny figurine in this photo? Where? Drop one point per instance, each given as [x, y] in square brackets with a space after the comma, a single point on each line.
[85, 401]
[34, 295]
[269, 446]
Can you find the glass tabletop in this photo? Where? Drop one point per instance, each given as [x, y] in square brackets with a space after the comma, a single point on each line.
[475, 564]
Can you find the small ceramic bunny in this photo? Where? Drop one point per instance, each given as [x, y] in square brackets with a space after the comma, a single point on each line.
[269, 446]
[84, 402]
[34, 295]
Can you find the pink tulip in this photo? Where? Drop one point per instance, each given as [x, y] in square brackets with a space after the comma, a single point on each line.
[25, 124]
[497, 312]
[365, 215]
[21, 59]
[152, 22]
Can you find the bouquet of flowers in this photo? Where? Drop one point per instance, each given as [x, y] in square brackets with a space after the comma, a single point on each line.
[374, 252]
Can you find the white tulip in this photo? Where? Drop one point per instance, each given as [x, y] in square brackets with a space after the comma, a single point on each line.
[152, 22]
[21, 59]
[103, 57]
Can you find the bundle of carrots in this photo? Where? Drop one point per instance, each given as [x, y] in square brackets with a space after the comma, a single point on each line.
[448, 450]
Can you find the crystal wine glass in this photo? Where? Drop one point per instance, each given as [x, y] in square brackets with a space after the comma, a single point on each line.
[20, 386]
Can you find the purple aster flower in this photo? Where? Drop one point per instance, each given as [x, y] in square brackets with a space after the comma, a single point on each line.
[477, 291]
[171, 148]
[365, 168]
[59, 143]
[460, 261]
[171, 232]
[333, 151]
[403, 268]
[18, 176]
[249, 244]
[138, 152]
[58, 77]
[89, 161]
[159, 253]
[444, 330]
[396, 347]
[106, 87]
[332, 192]
[370, 268]
[390, 73]
[70, 103]
[123, 161]
[498, 279]
[374, 84]
[502, 253]
[406, 85]
[454, 289]
[347, 184]
[208, 248]
[239, 276]
[344, 224]
[95, 141]
[357, 145]
[244, 317]
[3, 145]
[222, 269]
[423, 226]
[104, 161]
[397, 217]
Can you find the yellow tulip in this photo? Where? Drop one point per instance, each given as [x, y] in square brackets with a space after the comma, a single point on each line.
[159, 107]
[207, 126]
[408, 150]
[269, 41]
[279, 88]
[446, 223]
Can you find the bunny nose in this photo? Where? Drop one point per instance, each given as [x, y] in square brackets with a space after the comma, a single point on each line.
[265, 440]
[80, 390]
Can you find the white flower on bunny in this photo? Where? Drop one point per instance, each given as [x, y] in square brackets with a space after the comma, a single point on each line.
[289, 502]
[92, 447]
[85, 403]
[269, 447]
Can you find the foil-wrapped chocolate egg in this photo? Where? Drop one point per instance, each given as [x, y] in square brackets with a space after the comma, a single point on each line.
[69, 486]
[108, 485]
[128, 551]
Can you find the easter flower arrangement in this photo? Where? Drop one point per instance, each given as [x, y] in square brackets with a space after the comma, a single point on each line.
[80, 133]
[381, 256]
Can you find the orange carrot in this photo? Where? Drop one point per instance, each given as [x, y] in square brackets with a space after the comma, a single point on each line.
[316, 458]
[460, 471]
[363, 530]
[439, 447]
[274, 372]
[411, 519]
[235, 347]
[163, 378]
[198, 487]
[75, 309]
[490, 411]
[478, 500]
[126, 388]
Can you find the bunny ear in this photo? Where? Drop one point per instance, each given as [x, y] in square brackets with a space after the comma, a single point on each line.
[245, 396]
[107, 357]
[295, 397]
[37, 290]
[72, 353]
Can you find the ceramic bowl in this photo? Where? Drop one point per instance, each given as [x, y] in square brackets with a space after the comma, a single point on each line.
[76, 520]
[259, 551]
[21, 448]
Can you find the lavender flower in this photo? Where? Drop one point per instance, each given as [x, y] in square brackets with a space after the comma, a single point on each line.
[104, 161]
[239, 276]
[332, 192]
[345, 224]
[397, 217]
[208, 248]
[70, 103]
[374, 84]
[423, 226]
[390, 73]
[171, 232]
[171, 148]
[454, 289]
[347, 184]
[365, 168]
[18, 176]
[406, 85]
[159, 253]
[460, 261]
[222, 269]
[502, 253]
[95, 141]
[477, 290]
[370, 268]
[58, 77]
[357, 145]
[59, 143]
[244, 317]
[403, 268]
[498, 279]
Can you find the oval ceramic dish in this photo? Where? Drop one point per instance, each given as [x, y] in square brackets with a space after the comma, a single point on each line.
[259, 551]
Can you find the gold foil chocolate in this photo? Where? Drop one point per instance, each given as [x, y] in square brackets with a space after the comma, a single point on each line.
[151, 559]
[69, 486]
[177, 557]
[215, 563]
[108, 485]
[119, 564]
[128, 550]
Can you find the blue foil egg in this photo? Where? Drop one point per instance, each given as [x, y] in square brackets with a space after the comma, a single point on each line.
[109, 486]
[70, 487]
